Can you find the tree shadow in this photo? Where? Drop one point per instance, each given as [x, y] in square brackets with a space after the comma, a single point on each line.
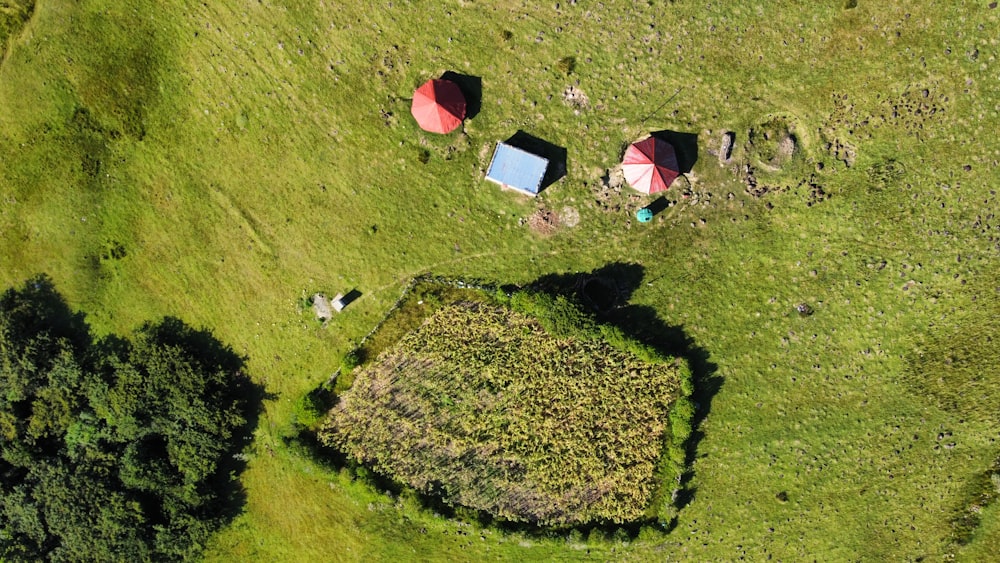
[472, 89]
[38, 308]
[602, 290]
[643, 323]
[685, 146]
[555, 154]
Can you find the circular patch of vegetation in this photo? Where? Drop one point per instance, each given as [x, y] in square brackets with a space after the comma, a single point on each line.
[541, 418]
[773, 143]
[882, 175]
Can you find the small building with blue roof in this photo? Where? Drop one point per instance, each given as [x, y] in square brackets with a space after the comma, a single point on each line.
[517, 169]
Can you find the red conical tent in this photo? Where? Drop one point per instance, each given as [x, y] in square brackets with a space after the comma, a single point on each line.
[438, 106]
[650, 165]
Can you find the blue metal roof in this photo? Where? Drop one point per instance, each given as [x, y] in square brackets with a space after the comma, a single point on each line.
[514, 168]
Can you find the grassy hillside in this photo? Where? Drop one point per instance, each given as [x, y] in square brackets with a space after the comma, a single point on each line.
[220, 161]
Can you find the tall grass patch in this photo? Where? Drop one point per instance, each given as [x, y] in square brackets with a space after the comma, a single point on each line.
[488, 408]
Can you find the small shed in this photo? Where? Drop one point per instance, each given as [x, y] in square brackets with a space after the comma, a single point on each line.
[324, 307]
[517, 169]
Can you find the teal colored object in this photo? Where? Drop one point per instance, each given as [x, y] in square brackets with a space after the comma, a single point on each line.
[644, 215]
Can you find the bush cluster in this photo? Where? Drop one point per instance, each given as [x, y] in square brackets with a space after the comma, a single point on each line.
[526, 413]
[112, 449]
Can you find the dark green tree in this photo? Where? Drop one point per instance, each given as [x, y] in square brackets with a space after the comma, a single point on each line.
[118, 449]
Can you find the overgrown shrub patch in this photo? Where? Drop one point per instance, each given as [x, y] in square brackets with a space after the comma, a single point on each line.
[544, 422]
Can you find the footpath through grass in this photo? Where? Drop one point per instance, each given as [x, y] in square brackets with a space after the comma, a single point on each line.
[218, 162]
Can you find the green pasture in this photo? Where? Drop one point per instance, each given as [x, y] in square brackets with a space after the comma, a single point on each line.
[221, 161]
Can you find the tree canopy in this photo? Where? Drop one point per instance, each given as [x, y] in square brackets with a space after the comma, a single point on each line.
[117, 448]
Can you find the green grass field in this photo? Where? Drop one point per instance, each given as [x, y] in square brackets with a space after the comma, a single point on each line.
[219, 162]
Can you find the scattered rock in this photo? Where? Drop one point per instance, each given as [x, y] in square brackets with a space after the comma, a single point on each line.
[726, 147]
[772, 143]
[569, 216]
[575, 97]
[786, 146]
[842, 151]
[614, 178]
[543, 222]
[814, 192]
[388, 118]
[322, 307]
[753, 188]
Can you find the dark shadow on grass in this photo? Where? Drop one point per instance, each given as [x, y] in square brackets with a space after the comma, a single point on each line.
[350, 297]
[472, 89]
[555, 154]
[659, 205]
[685, 145]
[37, 308]
[619, 279]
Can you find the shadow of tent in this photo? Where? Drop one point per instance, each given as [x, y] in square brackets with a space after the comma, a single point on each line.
[685, 145]
[472, 89]
[350, 297]
[555, 154]
[658, 205]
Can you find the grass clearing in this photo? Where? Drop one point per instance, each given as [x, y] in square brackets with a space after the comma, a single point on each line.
[267, 159]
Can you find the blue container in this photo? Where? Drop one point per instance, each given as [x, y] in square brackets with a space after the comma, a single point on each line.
[644, 215]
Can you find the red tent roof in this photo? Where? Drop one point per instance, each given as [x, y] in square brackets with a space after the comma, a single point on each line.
[650, 165]
[438, 106]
